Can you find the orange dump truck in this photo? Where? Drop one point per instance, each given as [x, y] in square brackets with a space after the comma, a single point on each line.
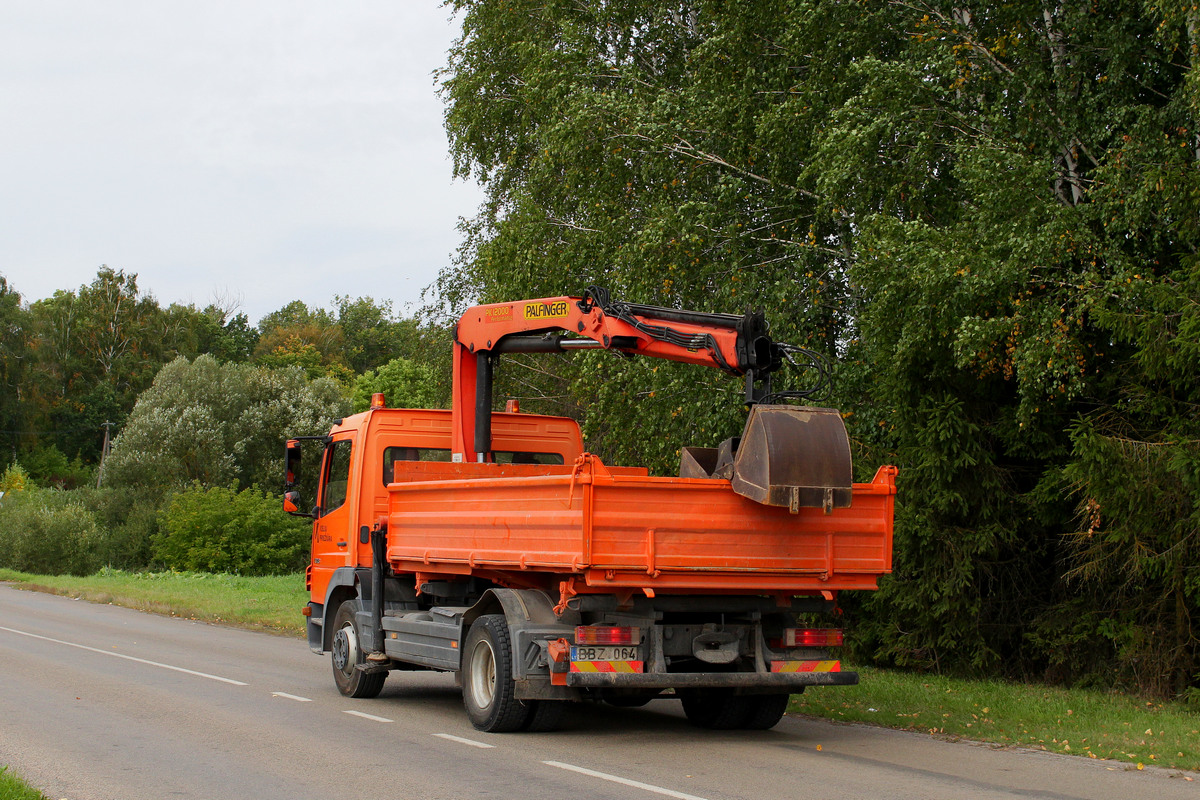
[493, 545]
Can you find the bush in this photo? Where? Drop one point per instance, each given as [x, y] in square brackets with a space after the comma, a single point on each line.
[49, 532]
[223, 530]
[14, 479]
[130, 519]
[48, 466]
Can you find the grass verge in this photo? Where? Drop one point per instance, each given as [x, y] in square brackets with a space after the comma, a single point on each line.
[13, 788]
[1072, 721]
[259, 603]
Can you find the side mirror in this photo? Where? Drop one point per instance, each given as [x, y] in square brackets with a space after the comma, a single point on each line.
[291, 503]
[291, 494]
[292, 464]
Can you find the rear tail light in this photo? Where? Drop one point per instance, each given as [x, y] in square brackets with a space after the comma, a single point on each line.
[607, 634]
[812, 637]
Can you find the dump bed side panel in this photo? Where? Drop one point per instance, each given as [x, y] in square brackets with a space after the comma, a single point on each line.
[635, 530]
[700, 526]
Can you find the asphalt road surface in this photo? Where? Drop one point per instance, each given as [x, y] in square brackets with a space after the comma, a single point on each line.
[103, 703]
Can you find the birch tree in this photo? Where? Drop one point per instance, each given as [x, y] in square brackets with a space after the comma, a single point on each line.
[987, 214]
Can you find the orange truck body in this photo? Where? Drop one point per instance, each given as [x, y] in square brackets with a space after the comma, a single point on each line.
[545, 577]
[583, 527]
[592, 528]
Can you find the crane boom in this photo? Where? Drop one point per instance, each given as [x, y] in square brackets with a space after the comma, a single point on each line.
[739, 345]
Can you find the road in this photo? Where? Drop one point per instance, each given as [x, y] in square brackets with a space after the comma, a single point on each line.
[104, 703]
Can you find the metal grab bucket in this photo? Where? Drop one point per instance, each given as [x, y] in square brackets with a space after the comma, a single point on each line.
[789, 456]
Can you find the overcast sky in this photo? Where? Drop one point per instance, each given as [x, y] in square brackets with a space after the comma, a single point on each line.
[260, 151]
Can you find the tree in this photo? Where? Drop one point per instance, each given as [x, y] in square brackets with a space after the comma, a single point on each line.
[219, 425]
[224, 334]
[988, 215]
[298, 336]
[404, 384]
[373, 335]
[93, 351]
[617, 145]
[13, 359]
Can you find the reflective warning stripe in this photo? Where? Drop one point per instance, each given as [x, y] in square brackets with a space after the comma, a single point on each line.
[806, 666]
[606, 666]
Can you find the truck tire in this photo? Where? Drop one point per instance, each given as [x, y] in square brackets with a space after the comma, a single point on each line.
[348, 654]
[716, 709]
[765, 711]
[489, 693]
[546, 715]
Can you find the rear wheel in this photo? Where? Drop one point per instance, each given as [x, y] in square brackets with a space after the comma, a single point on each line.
[722, 710]
[546, 715]
[765, 711]
[630, 698]
[489, 693]
[348, 654]
[716, 709]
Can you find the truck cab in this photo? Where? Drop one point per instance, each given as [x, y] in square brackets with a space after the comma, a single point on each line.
[366, 452]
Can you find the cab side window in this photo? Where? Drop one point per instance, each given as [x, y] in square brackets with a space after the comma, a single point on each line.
[394, 453]
[337, 476]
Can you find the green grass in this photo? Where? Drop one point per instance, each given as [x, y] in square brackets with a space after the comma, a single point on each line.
[1084, 723]
[1078, 722]
[270, 604]
[13, 788]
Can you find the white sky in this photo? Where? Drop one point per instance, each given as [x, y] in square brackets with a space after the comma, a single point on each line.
[260, 151]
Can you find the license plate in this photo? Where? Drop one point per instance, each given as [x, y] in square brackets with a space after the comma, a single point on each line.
[605, 653]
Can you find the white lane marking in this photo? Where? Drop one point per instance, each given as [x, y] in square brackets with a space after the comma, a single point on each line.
[371, 717]
[127, 658]
[287, 696]
[604, 776]
[461, 740]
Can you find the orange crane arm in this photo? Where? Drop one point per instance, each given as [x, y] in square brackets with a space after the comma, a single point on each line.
[736, 344]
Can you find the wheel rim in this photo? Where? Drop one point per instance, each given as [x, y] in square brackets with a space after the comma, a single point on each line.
[483, 675]
[345, 648]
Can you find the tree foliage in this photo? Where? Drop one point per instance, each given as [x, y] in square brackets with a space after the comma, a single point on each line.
[358, 335]
[84, 355]
[988, 215]
[404, 384]
[201, 414]
[13, 361]
[219, 425]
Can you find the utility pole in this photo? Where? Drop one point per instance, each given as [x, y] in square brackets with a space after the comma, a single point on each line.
[103, 452]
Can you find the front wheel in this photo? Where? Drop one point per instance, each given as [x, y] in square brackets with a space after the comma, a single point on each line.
[489, 692]
[348, 654]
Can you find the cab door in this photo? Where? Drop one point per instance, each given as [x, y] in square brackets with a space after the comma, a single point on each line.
[332, 545]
